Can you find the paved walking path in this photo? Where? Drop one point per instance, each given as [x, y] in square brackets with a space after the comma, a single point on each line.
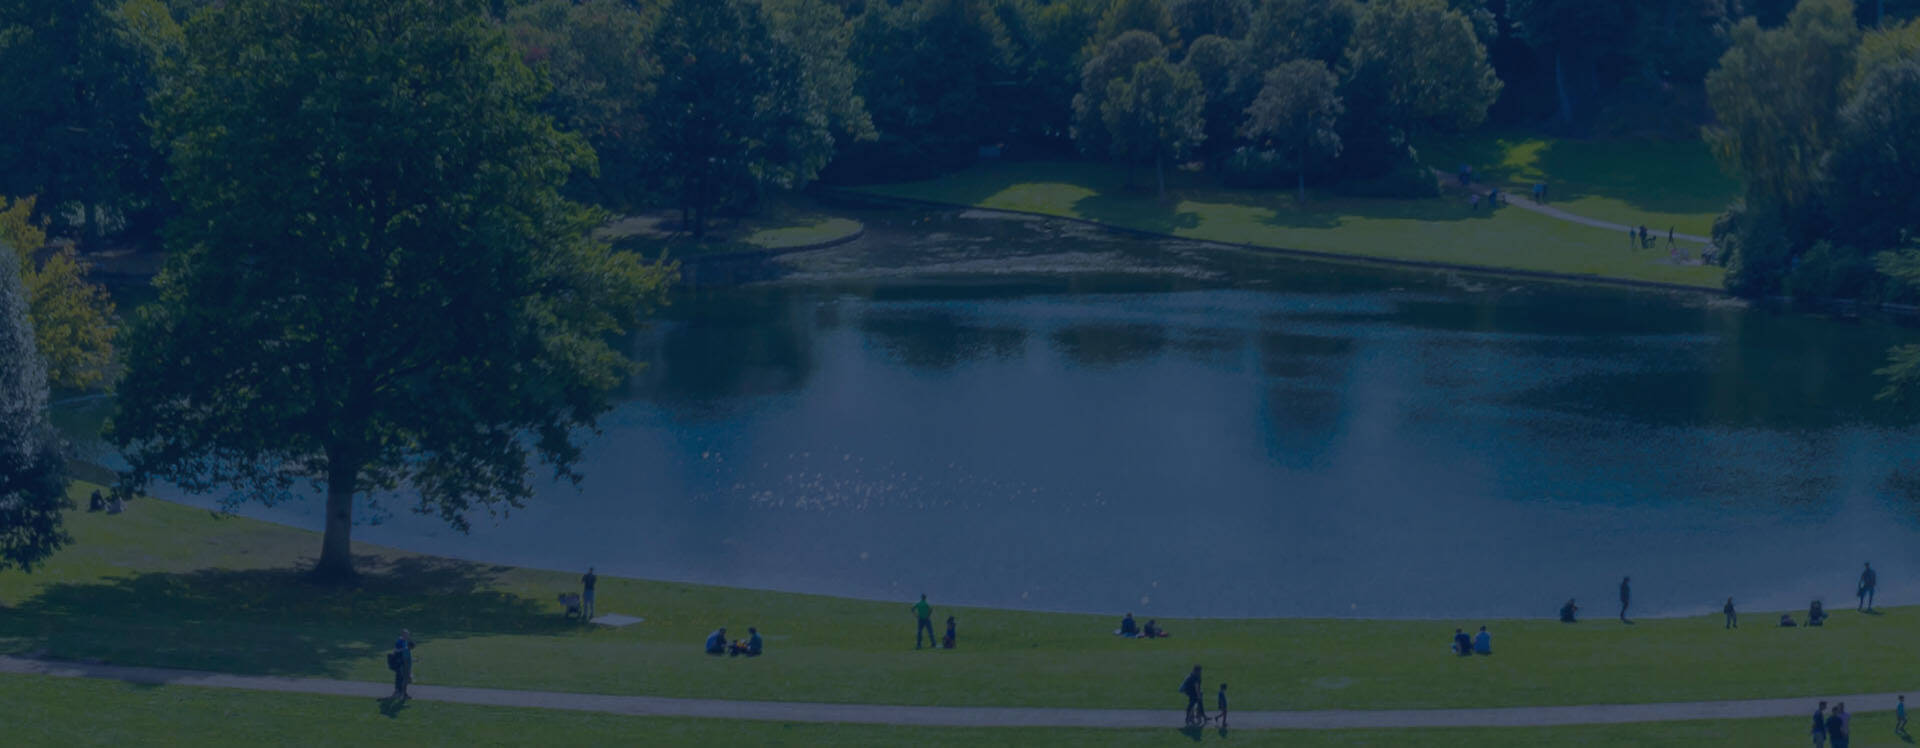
[1518, 201]
[940, 716]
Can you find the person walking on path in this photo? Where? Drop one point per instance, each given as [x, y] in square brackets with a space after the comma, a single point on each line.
[1626, 597]
[403, 675]
[1868, 580]
[1820, 726]
[1733, 622]
[1196, 709]
[1899, 716]
[586, 597]
[924, 614]
[1221, 712]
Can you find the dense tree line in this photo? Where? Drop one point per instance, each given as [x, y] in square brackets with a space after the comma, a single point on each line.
[1821, 120]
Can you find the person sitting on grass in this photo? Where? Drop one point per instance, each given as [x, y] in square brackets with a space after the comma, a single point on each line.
[1786, 621]
[1483, 642]
[1152, 631]
[717, 642]
[1462, 644]
[750, 647]
[1128, 628]
[1816, 615]
[1569, 611]
[947, 641]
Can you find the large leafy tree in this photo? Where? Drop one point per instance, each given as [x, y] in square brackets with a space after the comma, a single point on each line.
[33, 481]
[72, 319]
[1423, 64]
[1230, 84]
[602, 79]
[1296, 113]
[1285, 30]
[1903, 362]
[1049, 45]
[1150, 16]
[928, 70]
[735, 112]
[1776, 97]
[1197, 18]
[76, 79]
[374, 282]
[1873, 173]
[1115, 61]
[1154, 115]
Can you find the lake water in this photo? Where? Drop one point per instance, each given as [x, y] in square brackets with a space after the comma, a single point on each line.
[1027, 414]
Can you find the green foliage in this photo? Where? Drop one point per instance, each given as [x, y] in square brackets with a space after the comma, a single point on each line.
[1776, 95]
[1193, 19]
[383, 290]
[72, 319]
[1230, 84]
[75, 78]
[1756, 249]
[1150, 16]
[1872, 176]
[1284, 30]
[1881, 48]
[929, 70]
[736, 113]
[33, 477]
[1154, 114]
[594, 54]
[1423, 65]
[1296, 113]
[1116, 60]
[1049, 45]
[1903, 362]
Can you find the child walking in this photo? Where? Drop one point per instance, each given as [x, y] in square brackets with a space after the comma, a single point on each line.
[1222, 719]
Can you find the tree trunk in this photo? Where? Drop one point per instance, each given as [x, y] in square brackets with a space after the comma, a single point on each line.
[336, 547]
[1160, 174]
[1560, 89]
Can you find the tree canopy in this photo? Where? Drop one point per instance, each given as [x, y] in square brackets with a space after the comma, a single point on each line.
[1153, 115]
[33, 474]
[1297, 112]
[374, 282]
[73, 322]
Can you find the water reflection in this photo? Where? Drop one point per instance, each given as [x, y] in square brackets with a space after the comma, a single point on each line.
[1337, 442]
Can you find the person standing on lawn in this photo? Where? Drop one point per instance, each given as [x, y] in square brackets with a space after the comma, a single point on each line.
[1868, 580]
[1626, 597]
[924, 614]
[1733, 622]
[586, 597]
[1819, 732]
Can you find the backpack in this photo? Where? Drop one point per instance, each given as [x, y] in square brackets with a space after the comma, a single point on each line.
[393, 660]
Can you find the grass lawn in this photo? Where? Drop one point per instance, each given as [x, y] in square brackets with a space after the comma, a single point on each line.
[1429, 230]
[1634, 181]
[167, 585]
[785, 222]
[47, 711]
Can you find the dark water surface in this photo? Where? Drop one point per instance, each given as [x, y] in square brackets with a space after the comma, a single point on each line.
[1022, 414]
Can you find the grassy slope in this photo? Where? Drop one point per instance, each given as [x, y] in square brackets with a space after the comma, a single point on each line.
[44, 711]
[172, 586]
[1656, 183]
[1435, 230]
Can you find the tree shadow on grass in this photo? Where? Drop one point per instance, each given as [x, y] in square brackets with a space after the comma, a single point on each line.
[269, 621]
[1135, 210]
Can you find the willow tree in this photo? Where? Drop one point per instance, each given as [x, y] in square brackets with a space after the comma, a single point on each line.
[375, 284]
[33, 475]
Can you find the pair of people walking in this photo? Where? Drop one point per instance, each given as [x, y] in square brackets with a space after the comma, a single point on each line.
[1196, 706]
[1834, 727]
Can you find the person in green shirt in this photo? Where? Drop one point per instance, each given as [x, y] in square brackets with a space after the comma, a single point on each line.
[923, 612]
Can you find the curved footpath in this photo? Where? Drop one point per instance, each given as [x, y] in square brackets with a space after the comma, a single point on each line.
[1519, 201]
[941, 716]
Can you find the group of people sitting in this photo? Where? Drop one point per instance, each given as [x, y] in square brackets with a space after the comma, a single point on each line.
[717, 643]
[1151, 631]
[1463, 645]
[1816, 616]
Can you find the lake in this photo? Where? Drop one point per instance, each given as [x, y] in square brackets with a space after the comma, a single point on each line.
[1031, 414]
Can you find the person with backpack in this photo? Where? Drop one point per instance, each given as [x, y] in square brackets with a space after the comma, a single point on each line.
[1196, 709]
[400, 661]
